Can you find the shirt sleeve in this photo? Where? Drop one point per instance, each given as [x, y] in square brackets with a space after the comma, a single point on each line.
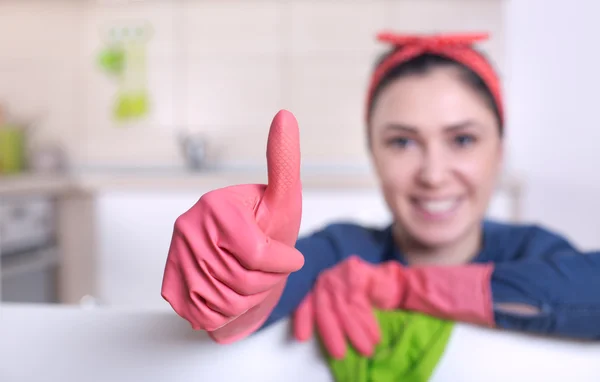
[560, 282]
[320, 252]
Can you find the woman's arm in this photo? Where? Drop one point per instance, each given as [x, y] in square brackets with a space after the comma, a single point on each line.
[559, 294]
[319, 252]
[322, 250]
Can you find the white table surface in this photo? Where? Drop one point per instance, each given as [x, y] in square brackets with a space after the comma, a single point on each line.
[53, 343]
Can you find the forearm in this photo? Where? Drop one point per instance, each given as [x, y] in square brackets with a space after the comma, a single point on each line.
[319, 253]
[559, 295]
[460, 293]
[297, 287]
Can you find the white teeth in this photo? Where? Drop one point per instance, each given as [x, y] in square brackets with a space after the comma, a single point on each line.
[438, 206]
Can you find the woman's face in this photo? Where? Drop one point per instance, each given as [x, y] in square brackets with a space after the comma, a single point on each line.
[437, 151]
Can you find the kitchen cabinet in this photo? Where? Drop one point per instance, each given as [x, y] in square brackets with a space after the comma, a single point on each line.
[28, 249]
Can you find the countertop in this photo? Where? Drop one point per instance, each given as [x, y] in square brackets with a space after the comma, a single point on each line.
[118, 345]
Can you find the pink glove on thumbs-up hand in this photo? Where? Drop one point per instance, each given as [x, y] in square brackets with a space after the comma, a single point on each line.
[232, 252]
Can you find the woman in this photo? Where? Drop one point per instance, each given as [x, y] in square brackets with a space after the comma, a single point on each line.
[435, 128]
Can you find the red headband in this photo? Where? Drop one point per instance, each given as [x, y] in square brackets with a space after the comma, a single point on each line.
[455, 47]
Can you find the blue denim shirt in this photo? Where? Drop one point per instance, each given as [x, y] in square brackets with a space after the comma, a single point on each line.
[532, 266]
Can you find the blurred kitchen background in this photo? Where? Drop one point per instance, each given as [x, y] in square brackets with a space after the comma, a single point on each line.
[117, 115]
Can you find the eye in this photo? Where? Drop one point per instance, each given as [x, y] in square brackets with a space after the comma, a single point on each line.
[400, 142]
[464, 140]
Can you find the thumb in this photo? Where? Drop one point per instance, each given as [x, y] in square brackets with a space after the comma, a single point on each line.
[283, 159]
[281, 206]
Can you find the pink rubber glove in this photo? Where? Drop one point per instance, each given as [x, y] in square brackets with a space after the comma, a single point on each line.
[232, 252]
[458, 293]
[339, 304]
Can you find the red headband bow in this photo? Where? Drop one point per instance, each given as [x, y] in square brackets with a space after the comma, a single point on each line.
[457, 47]
[432, 40]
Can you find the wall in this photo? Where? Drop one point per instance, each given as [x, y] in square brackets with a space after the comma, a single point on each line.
[220, 67]
[224, 67]
[39, 73]
[552, 95]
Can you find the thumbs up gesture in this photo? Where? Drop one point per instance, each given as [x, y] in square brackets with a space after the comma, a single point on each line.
[231, 253]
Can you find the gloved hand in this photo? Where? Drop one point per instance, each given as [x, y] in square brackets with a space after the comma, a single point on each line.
[459, 293]
[231, 253]
[343, 300]
[339, 305]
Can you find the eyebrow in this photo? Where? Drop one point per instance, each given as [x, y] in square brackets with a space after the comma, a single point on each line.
[415, 130]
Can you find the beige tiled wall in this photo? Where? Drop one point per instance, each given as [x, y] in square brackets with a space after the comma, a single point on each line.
[38, 67]
[222, 67]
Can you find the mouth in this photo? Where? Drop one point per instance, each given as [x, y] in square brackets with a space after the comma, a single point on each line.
[437, 209]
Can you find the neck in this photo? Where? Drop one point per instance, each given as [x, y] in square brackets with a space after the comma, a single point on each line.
[461, 251]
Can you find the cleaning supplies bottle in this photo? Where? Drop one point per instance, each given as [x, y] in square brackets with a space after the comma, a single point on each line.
[12, 146]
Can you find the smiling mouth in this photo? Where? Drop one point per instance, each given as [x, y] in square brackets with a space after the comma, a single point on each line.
[437, 208]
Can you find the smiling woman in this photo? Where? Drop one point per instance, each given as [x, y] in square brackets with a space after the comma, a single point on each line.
[434, 118]
[435, 134]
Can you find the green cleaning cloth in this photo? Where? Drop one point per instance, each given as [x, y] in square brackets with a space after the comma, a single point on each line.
[411, 346]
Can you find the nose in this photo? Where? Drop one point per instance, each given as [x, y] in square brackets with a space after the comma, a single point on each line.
[434, 167]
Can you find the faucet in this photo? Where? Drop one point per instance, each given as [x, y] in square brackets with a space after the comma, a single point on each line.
[193, 147]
